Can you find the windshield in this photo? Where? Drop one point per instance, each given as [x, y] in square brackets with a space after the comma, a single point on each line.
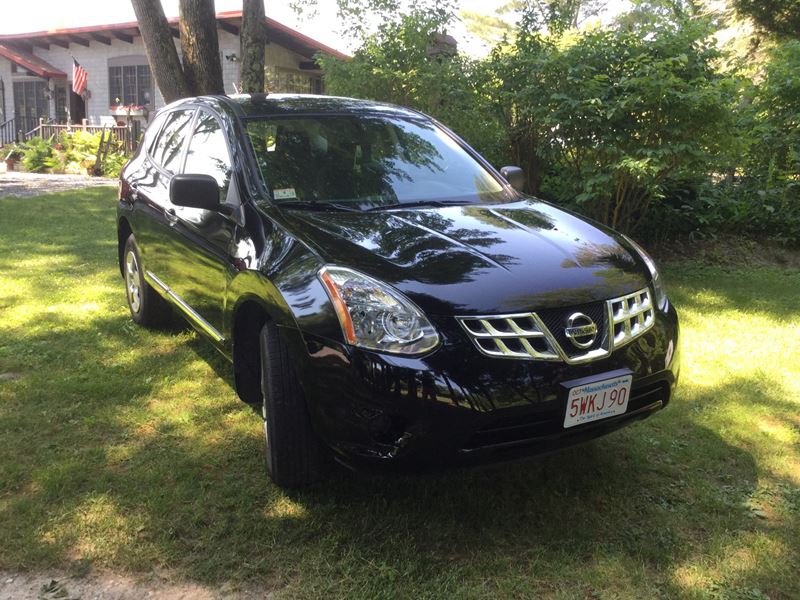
[367, 162]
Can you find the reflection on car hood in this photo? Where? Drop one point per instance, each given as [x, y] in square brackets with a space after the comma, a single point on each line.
[477, 259]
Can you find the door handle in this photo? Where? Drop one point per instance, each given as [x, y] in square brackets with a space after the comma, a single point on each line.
[171, 215]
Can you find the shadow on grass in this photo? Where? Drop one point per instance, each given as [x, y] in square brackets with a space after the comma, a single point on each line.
[120, 464]
[769, 292]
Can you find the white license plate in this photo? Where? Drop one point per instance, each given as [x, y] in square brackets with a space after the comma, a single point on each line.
[597, 400]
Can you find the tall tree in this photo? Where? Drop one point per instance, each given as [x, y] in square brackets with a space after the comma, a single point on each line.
[161, 53]
[644, 14]
[200, 47]
[781, 17]
[558, 16]
[492, 28]
[201, 72]
[253, 38]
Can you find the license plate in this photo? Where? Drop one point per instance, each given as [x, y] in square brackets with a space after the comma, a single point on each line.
[595, 400]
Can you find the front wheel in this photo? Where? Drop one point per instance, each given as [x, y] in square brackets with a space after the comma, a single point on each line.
[146, 306]
[294, 454]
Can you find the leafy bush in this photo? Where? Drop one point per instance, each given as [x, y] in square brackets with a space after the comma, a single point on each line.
[774, 157]
[114, 163]
[73, 152]
[610, 116]
[37, 154]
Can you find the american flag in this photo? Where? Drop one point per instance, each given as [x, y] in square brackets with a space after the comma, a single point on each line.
[79, 78]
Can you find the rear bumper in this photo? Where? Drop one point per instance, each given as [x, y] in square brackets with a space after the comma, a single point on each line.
[457, 406]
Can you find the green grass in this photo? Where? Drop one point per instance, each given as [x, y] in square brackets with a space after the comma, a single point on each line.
[126, 449]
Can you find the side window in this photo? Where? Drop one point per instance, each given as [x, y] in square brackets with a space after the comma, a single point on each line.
[208, 152]
[152, 131]
[168, 147]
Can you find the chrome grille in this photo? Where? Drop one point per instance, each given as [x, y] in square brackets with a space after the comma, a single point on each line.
[557, 319]
[526, 336]
[631, 316]
[510, 336]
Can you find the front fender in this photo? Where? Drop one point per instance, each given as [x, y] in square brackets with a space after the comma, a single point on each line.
[279, 272]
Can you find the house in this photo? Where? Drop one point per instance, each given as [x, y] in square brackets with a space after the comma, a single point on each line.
[36, 72]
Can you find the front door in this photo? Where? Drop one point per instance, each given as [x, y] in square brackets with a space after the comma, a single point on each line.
[155, 215]
[77, 107]
[198, 262]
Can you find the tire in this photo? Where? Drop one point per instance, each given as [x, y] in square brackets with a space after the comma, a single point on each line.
[294, 453]
[146, 306]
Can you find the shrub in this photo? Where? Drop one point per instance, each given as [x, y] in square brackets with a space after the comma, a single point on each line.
[114, 163]
[773, 162]
[609, 116]
[73, 152]
[37, 154]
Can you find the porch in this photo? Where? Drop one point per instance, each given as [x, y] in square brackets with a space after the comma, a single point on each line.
[128, 134]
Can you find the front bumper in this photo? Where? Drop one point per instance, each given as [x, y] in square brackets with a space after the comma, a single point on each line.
[457, 406]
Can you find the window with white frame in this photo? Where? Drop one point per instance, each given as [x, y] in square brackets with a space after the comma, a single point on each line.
[129, 82]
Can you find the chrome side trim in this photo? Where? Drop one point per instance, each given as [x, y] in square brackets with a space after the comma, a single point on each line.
[191, 313]
[632, 314]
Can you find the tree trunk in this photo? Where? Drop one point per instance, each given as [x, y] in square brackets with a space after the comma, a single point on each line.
[161, 53]
[200, 47]
[253, 38]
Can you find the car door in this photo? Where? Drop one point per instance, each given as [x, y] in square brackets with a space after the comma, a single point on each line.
[198, 256]
[155, 215]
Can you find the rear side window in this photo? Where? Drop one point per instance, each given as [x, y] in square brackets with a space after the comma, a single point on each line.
[152, 131]
[208, 152]
[168, 148]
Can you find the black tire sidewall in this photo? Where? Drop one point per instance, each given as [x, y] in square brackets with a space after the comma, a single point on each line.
[294, 453]
[268, 423]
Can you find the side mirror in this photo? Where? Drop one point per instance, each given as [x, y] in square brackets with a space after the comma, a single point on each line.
[194, 191]
[515, 177]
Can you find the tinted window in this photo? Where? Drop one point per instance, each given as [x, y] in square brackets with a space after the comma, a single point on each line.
[368, 161]
[208, 152]
[152, 131]
[168, 148]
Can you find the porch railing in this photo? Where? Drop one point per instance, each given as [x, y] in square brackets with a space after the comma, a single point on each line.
[127, 134]
[8, 131]
[25, 124]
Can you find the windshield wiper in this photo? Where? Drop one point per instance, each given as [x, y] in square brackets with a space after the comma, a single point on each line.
[417, 204]
[310, 205]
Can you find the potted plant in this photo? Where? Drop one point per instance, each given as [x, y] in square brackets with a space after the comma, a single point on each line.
[127, 110]
[11, 158]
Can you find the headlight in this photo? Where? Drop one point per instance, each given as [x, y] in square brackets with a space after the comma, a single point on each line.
[375, 316]
[658, 283]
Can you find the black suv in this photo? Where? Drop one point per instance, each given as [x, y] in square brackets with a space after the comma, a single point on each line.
[384, 294]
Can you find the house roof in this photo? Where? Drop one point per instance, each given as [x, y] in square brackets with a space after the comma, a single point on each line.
[281, 34]
[31, 62]
[230, 21]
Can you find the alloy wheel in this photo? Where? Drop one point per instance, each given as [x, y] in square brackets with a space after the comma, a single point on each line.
[132, 281]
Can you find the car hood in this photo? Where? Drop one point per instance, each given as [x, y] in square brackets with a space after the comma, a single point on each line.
[488, 259]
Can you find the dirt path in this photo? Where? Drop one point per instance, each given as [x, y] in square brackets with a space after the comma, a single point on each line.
[14, 183]
[60, 586]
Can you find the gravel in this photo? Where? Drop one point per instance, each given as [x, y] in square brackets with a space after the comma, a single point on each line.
[14, 183]
[111, 586]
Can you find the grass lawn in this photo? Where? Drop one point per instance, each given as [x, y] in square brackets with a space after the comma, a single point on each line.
[126, 449]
